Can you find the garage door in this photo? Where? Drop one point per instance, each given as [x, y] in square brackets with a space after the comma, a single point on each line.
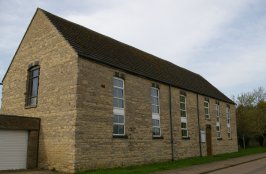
[13, 149]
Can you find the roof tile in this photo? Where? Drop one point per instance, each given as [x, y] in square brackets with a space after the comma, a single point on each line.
[95, 46]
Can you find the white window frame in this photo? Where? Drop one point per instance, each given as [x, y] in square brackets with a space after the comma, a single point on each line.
[228, 122]
[218, 120]
[117, 110]
[156, 116]
[183, 119]
[207, 115]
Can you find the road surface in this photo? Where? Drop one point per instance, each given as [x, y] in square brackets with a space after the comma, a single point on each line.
[254, 167]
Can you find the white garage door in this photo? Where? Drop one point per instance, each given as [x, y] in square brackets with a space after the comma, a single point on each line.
[13, 149]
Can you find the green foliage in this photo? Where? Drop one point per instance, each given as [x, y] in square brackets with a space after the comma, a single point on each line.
[150, 168]
[251, 114]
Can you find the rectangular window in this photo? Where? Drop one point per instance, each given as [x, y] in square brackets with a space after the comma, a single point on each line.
[218, 123]
[155, 107]
[33, 85]
[183, 114]
[206, 110]
[118, 107]
[228, 120]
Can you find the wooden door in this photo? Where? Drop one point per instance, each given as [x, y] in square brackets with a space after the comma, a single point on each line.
[209, 139]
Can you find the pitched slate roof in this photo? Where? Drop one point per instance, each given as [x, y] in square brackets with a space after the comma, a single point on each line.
[95, 46]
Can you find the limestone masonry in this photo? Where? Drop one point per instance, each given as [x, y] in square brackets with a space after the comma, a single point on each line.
[81, 126]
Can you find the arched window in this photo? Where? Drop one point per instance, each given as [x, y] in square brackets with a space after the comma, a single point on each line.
[33, 84]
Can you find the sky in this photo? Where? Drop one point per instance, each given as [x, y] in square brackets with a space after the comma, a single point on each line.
[222, 40]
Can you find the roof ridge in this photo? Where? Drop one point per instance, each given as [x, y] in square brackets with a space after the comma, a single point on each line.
[107, 36]
[154, 56]
[115, 53]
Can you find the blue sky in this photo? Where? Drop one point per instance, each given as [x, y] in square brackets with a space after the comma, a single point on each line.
[222, 40]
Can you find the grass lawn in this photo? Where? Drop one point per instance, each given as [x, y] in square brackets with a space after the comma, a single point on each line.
[149, 168]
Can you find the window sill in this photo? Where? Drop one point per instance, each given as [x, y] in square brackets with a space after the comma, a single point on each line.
[161, 137]
[120, 136]
[185, 138]
[219, 138]
[208, 119]
[30, 106]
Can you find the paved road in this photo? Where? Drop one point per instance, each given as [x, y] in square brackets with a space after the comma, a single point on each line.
[254, 167]
[251, 164]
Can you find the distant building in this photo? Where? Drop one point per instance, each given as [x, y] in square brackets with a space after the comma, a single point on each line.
[102, 103]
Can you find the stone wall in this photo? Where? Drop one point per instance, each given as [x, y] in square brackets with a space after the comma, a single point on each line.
[75, 104]
[57, 91]
[97, 148]
[223, 145]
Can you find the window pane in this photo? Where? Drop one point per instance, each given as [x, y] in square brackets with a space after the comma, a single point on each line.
[155, 122]
[119, 103]
[182, 106]
[206, 110]
[118, 129]
[206, 104]
[118, 119]
[182, 98]
[154, 92]
[183, 113]
[118, 82]
[35, 73]
[217, 128]
[155, 109]
[154, 100]
[184, 133]
[183, 125]
[217, 110]
[156, 131]
[34, 89]
[118, 92]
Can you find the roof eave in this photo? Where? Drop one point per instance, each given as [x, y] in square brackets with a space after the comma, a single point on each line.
[90, 57]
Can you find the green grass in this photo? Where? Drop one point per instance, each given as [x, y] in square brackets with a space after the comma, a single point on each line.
[150, 168]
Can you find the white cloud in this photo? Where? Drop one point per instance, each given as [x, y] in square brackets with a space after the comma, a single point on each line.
[204, 36]
[169, 29]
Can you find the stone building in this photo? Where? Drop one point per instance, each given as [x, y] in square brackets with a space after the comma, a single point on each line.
[102, 103]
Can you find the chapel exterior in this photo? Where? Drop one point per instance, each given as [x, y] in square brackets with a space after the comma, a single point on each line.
[102, 103]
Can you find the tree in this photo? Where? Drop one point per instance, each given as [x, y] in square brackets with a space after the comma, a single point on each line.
[260, 120]
[251, 98]
[259, 95]
[251, 114]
